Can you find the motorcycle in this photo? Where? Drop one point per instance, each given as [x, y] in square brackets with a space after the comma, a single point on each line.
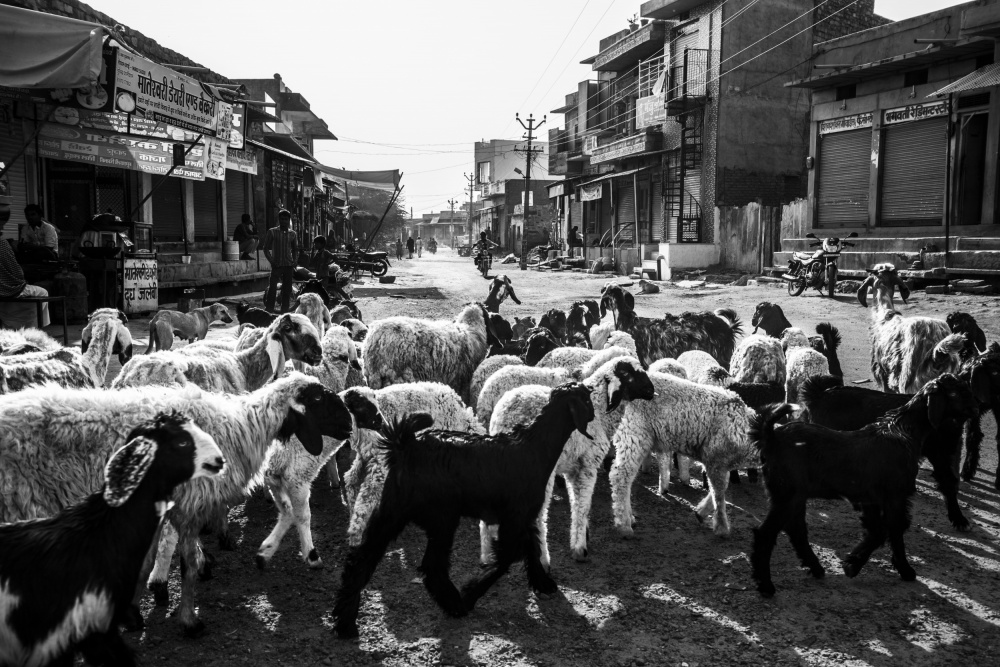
[432, 246]
[356, 260]
[816, 269]
[484, 261]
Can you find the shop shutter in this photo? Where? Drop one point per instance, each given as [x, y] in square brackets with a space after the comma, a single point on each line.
[168, 211]
[11, 141]
[656, 207]
[844, 174]
[914, 172]
[625, 218]
[236, 200]
[206, 210]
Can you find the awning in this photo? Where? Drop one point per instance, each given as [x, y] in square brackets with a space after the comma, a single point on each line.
[379, 180]
[256, 114]
[39, 50]
[984, 77]
[284, 142]
[617, 174]
[278, 151]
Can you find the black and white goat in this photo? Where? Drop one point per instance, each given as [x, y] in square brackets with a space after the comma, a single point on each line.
[66, 582]
[713, 332]
[965, 324]
[874, 469]
[436, 478]
[500, 289]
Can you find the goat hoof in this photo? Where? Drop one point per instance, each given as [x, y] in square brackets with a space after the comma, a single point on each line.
[226, 542]
[962, 525]
[205, 573]
[545, 586]
[313, 560]
[261, 562]
[721, 531]
[851, 569]
[161, 595]
[195, 630]
[766, 589]
[132, 619]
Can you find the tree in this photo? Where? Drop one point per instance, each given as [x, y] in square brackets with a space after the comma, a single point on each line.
[368, 205]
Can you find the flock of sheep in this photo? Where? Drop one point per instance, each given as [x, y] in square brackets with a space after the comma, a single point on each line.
[471, 417]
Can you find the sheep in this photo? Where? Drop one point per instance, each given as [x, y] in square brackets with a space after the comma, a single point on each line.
[600, 358]
[500, 289]
[600, 332]
[311, 305]
[436, 478]
[290, 336]
[622, 339]
[707, 424]
[66, 582]
[104, 335]
[758, 359]
[357, 328]
[828, 403]
[341, 297]
[617, 380]
[702, 368]
[11, 338]
[874, 469]
[290, 472]
[521, 326]
[713, 332]
[406, 349]
[794, 337]
[356, 377]
[509, 377]
[669, 366]
[572, 358]
[803, 363]
[769, 317]
[975, 339]
[907, 352]
[363, 481]
[988, 362]
[484, 370]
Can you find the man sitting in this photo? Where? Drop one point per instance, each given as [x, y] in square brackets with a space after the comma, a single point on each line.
[38, 240]
[246, 235]
[13, 284]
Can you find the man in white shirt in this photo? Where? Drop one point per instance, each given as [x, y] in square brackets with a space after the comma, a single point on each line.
[38, 232]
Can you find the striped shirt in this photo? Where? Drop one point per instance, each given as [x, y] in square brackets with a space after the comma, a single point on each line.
[11, 276]
[283, 245]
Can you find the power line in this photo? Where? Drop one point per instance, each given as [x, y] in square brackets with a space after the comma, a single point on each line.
[558, 48]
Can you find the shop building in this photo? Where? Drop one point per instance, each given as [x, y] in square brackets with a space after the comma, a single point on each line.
[904, 130]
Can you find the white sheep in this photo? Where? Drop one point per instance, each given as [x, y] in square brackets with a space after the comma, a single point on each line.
[363, 482]
[758, 359]
[34, 339]
[510, 377]
[104, 335]
[576, 357]
[707, 424]
[802, 364]
[290, 336]
[669, 366]
[312, 306]
[702, 368]
[484, 370]
[599, 333]
[407, 349]
[602, 357]
[622, 339]
[616, 381]
[358, 329]
[794, 337]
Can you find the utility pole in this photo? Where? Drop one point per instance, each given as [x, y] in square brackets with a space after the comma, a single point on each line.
[451, 221]
[528, 155]
[472, 183]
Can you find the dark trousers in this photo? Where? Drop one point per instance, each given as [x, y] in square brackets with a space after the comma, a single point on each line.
[286, 275]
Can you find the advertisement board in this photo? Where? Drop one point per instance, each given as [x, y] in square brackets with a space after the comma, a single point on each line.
[141, 285]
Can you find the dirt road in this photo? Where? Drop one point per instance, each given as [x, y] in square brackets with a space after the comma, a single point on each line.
[674, 595]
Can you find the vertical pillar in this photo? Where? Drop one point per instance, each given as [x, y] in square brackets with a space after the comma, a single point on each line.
[146, 212]
[876, 170]
[224, 209]
[189, 210]
[812, 175]
[990, 177]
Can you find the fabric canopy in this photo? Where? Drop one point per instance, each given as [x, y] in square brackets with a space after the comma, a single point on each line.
[39, 50]
[379, 180]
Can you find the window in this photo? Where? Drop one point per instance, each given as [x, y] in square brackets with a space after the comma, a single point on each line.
[482, 173]
[917, 77]
[847, 92]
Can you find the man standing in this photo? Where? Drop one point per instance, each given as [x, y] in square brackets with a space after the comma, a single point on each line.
[38, 232]
[409, 247]
[246, 235]
[281, 247]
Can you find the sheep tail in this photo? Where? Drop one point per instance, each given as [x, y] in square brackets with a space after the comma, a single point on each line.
[813, 388]
[949, 347]
[735, 324]
[762, 424]
[830, 334]
[399, 435]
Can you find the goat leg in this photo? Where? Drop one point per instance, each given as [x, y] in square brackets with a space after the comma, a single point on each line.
[191, 560]
[874, 537]
[897, 519]
[764, 537]
[107, 648]
[973, 443]
[507, 550]
[538, 576]
[944, 473]
[435, 566]
[798, 535]
[581, 493]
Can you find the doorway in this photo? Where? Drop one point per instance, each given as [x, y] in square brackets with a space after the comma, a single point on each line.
[971, 168]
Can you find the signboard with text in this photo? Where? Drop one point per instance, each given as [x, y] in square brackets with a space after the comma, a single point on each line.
[650, 110]
[140, 285]
[239, 160]
[855, 122]
[913, 112]
[618, 149]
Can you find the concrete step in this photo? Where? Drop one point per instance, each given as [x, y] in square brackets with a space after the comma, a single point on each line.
[960, 259]
[900, 244]
[197, 257]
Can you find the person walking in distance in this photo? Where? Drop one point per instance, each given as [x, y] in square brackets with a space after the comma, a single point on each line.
[281, 247]
[399, 248]
[409, 247]
[420, 247]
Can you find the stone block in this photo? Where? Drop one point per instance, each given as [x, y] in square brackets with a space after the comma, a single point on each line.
[938, 289]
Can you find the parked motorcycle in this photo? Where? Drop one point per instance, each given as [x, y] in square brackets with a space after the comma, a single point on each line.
[376, 262]
[816, 269]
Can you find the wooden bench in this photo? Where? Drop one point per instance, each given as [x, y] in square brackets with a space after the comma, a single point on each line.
[38, 301]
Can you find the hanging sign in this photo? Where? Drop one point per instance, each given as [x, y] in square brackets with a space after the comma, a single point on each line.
[650, 110]
[140, 286]
[590, 192]
[913, 112]
[239, 160]
[215, 158]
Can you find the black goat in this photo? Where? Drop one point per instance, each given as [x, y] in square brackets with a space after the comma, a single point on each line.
[555, 321]
[258, 317]
[875, 469]
[500, 289]
[828, 403]
[436, 478]
[988, 366]
[975, 339]
[338, 298]
[831, 343]
[578, 323]
[769, 317]
[67, 581]
[536, 343]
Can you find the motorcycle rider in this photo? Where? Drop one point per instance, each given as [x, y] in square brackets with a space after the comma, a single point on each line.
[483, 246]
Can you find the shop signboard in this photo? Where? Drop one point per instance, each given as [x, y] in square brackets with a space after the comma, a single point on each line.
[106, 149]
[619, 149]
[240, 160]
[589, 144]
[855, 122]
[650, 110]
[238, 132]
[215, 158]
[140, 285]
[590, 192]
[912, 112]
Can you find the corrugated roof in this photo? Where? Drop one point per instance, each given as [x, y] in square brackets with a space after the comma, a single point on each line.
[984, 77]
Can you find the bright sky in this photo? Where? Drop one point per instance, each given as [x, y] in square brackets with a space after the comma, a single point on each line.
[407, 84]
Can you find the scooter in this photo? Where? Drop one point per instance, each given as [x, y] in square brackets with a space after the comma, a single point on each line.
[816, 269]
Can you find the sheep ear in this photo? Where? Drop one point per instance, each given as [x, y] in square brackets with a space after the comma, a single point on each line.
[936, 405]
[615, 392]
[84, 344]
[276, 354]
[126, 470]
[863, 290]
[580, 420]
[603, 307]
[980, 382]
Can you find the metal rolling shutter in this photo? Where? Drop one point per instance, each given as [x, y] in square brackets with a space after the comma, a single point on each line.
[236, 200]
[844, 174]
[11, 141]
[168, 211]
[914, 172]
[575, 213]
[206, 210]
[625, 217]
[656, 208]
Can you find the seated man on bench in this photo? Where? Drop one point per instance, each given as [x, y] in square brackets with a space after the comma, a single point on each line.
[13, 284]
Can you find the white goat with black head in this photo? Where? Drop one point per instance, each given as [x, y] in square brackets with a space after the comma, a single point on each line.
[907, 352]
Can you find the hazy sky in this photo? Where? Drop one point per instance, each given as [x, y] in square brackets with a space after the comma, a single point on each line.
[407, 84]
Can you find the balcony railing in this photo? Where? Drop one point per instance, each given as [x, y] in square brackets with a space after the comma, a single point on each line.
[689, 75]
